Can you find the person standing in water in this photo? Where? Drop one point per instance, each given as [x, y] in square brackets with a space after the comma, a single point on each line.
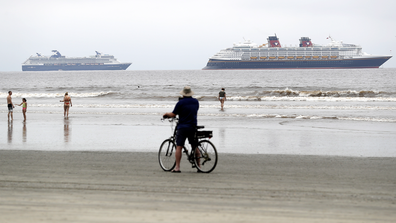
[67, 104]
[10, 106]
[24, 108]
[222, 98]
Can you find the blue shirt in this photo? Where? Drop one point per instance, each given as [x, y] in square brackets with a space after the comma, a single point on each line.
[187, 109]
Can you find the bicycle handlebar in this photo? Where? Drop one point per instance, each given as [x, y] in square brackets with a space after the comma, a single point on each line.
[171, 119]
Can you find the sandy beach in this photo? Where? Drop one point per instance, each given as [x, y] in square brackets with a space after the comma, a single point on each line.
[100, 165]
[77, 186]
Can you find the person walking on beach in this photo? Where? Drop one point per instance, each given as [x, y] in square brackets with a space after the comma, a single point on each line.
[67, 103]
[222, 97]
[24, 108]
[10, 106]
[187, 109]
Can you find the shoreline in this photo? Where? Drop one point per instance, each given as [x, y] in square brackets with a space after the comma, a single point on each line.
[104, 186]
[251, 135]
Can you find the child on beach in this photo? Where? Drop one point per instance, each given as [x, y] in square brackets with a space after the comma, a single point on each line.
[24, 108]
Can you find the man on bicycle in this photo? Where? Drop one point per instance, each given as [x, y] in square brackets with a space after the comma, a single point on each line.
[187, 109]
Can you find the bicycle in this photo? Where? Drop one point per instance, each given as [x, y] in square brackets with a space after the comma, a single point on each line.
[203, 157]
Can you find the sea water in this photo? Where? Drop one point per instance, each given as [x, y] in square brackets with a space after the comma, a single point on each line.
[319, 99]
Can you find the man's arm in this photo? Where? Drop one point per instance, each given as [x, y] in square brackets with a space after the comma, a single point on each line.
[169, 115]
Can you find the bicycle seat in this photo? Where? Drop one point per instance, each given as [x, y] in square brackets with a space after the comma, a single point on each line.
[200, 127]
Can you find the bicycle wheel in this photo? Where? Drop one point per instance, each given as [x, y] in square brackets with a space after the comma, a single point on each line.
[205, 158]
[166, 155]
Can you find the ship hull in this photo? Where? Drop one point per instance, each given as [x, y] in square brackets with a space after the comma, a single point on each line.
[68, 67]
[357, 63]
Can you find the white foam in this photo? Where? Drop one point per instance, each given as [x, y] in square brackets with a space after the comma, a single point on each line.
[313, 99]
[228, 106]
[54, 95]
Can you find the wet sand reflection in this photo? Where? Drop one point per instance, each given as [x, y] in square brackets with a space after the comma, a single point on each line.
[24, 132]
[222, 135]
[9, 133]
[66, 130]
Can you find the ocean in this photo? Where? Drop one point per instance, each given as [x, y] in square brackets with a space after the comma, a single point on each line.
[299, 106]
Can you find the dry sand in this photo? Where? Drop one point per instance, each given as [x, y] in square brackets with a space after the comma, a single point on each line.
[40, 186]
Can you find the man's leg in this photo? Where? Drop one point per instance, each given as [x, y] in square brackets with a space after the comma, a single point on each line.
[178, 157]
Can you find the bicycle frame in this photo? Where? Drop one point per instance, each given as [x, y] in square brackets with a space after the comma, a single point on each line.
[191, 155]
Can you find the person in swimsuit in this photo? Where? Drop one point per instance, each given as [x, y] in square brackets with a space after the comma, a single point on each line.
[67, 103]
[10, 106]
[222, 97]
[24, 108]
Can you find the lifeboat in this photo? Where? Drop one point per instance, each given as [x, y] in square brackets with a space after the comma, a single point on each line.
[325, 57]
[308, 57]
[281, 57]
[333, 57]
[253, 58]
[290, 57]
[299, 57]
[315, 57]
[263, 58]
[272, 57]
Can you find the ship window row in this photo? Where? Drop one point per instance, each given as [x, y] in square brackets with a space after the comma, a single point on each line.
[293, 63]
[252, 54]
[296, 49]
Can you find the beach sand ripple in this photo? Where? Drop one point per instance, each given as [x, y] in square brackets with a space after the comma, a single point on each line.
[78, 186]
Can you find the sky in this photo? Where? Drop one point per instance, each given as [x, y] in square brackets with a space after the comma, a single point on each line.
[183, 34]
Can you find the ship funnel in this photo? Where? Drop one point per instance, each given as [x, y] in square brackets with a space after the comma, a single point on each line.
[56, 54]
[305, 42]
[273, 41]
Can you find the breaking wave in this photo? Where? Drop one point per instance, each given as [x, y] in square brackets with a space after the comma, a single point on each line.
[56, 95]
[315, 95]
[323, 93]
[303, 98]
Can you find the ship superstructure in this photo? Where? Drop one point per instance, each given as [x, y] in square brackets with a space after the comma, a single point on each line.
[59, 62]
[272, 55]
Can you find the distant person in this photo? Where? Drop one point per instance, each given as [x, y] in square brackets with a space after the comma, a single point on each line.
[67, 103]
[222, 98]
[10, 106]
[187, 109]
[24, 108]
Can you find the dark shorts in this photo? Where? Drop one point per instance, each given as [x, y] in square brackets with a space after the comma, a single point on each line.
[183, 134]
[10, 107]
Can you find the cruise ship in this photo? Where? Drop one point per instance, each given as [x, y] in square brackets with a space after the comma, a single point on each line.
[59, 62]
[272, 55]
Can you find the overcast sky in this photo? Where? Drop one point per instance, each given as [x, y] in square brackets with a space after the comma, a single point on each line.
[183, 34]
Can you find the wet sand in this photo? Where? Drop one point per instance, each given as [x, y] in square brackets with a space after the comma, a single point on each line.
[242, 135]
[76, 186]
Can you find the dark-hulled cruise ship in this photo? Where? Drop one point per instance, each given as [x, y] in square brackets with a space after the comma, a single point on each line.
[272, 55]
[58, 62]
